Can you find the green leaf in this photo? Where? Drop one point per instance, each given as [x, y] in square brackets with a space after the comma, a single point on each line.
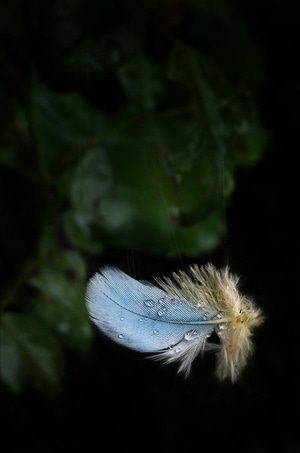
[29, 352]
[61, 301]
[142, 81]
[151, 185]
[79, 232]
[65, 126]
[92, 180]
[227, 119]
[11, 371]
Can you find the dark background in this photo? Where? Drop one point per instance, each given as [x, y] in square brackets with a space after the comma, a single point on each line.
[79, 391]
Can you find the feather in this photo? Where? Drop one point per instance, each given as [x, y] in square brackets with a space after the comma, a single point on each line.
[175, 320]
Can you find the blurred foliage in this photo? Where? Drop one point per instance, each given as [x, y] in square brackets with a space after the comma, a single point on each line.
[122, 126]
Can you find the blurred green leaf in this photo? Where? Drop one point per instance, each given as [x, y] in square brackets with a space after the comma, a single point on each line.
[29, 350]
[123, 175]
[65, 126]
[61, 302]
[142, 81]
[226, 115]
[92, 180]
[129, 193]
[11, 370]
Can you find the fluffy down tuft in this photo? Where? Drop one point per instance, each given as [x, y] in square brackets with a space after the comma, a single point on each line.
[234, 315]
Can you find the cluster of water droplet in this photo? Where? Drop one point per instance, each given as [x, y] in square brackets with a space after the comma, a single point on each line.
[162, 310]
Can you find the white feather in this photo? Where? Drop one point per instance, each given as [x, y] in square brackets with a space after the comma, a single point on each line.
[175, 320]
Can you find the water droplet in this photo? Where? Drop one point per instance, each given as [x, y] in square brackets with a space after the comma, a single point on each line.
[191, 335]
[142, 319]
[162, 311]
[122, 319]
[177, 349]
[149, 303]
[155, 331]
[120, 335]
[162, 299]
